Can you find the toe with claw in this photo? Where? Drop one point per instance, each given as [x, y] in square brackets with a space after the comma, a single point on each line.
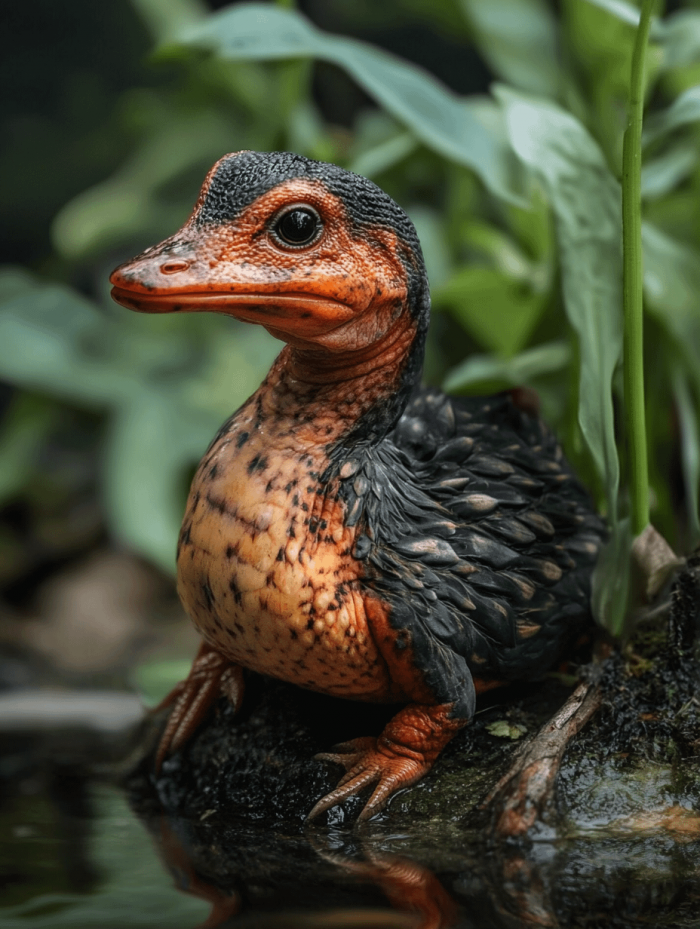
[211, 676]
[400, 757]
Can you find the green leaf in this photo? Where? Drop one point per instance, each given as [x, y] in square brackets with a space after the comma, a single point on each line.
[680, 34]
[672, 291]
[459, 129]
[611, 579]
[507, 255]
[503, 729]
[620, 9]
[487, 374]
[585, 198]
[685, 109]
[690, 449]
[498, 311]
[665, 173]
[518, 39]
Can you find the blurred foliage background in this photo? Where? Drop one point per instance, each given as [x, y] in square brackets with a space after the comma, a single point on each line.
[498, 127]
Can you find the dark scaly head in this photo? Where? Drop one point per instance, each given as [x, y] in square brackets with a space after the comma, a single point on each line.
[319, 256]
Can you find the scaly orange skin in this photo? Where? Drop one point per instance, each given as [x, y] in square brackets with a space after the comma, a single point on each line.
[265, 564]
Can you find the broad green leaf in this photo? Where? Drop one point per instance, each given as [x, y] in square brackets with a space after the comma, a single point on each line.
[453, 126]
[585, 199]
[488, 374]
[498, 311]
[533, 231]
[690, 449]
[518, 39]
[680, 35]
[236, 362]
[672, 290]
[665, 173]
[685, 109]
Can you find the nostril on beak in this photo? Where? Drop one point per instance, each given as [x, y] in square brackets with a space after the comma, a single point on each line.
[172, 267]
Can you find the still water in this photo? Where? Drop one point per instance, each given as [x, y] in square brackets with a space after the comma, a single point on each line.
[74, 854]
[77, 851]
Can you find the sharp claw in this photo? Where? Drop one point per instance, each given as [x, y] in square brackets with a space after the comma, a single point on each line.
[331, 756]
[347, 761]
[209, 676]
[376, 802]
[365, 765]
[345, 789]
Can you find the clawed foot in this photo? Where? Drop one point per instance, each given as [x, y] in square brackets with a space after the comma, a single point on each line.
[367, 762]
[400, 757]
[210, 677]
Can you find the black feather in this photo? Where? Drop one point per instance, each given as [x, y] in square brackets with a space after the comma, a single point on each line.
[482, 564]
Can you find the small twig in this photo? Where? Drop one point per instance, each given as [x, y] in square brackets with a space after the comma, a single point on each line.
[524, 794]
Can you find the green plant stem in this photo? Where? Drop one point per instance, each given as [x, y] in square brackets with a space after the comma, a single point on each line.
[633, 283]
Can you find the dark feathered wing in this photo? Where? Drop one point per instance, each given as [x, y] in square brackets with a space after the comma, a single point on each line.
[478, 535]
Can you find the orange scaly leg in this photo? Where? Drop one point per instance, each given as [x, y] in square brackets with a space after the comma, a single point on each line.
[210, 677]
[402, 755]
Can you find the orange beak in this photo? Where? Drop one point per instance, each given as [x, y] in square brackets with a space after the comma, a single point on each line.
[149, 285]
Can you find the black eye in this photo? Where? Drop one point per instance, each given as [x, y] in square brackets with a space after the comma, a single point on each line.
[298, 226]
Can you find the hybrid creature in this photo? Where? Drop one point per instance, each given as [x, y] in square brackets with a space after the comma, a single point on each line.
[347, 530]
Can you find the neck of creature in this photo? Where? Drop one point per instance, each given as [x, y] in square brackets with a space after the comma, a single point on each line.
[355, 396]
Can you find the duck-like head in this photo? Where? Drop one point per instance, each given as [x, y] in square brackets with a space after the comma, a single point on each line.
[319, 256]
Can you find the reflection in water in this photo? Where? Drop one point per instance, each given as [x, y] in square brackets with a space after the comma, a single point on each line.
[409, 886]
[417, 896]
[223, 904]
[74, 858]
[365, 879]
[524, 900]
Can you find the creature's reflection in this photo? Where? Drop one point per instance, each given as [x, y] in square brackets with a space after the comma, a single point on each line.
[409, 886]
[335, 880]
[224, 904]
[432, 876]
